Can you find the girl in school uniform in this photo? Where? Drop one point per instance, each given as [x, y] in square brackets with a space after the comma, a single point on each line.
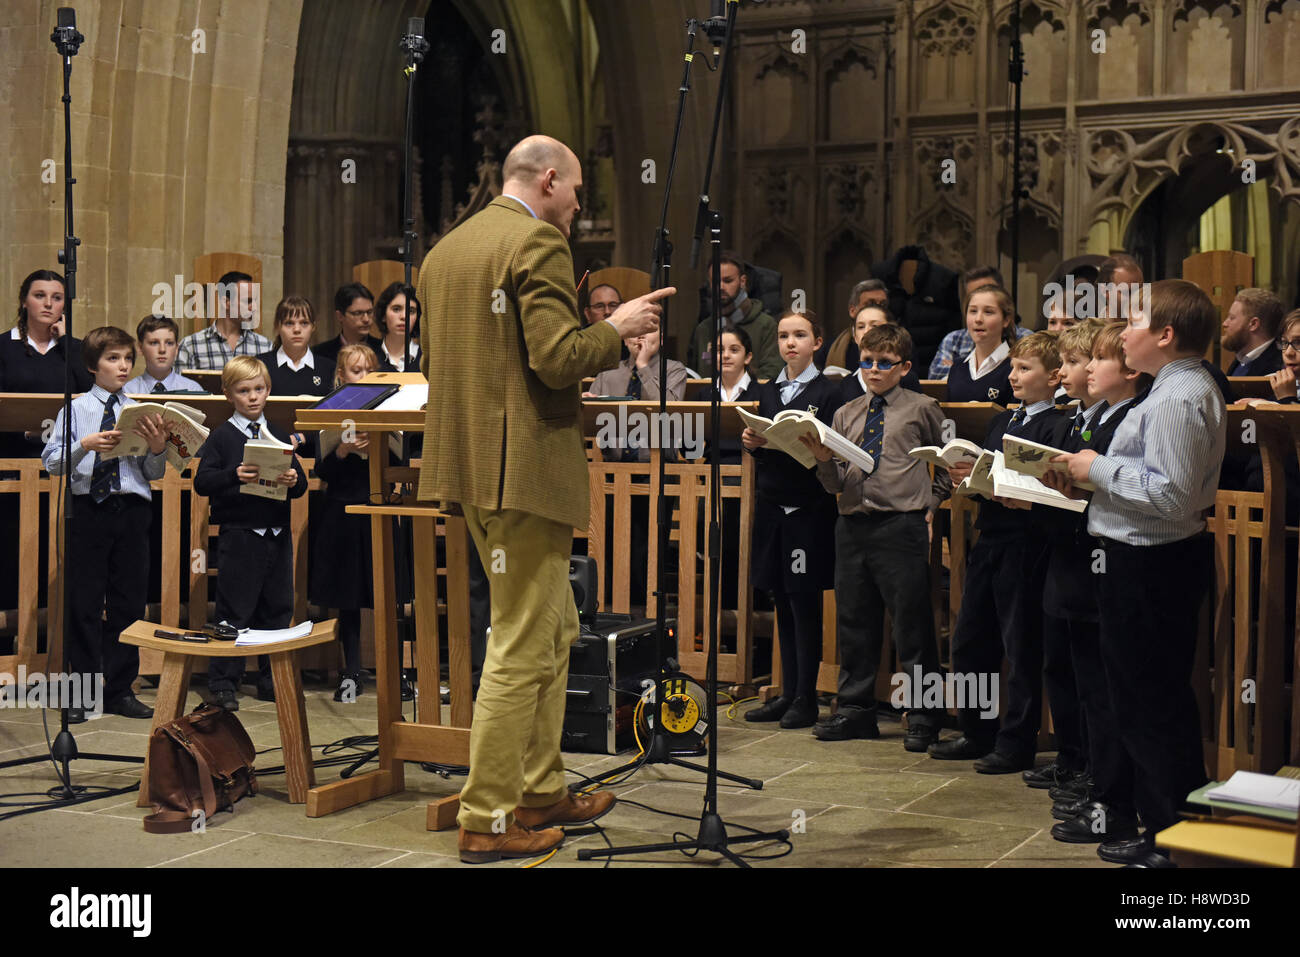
[794, 525]
[738, 383]
[984, 373]
[390, 314]
[340, 575]
[294, 368]
[34, 355]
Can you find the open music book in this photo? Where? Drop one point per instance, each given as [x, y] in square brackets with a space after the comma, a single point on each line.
[185, 431]
[783, 431]
[991, 478]
[1031, 458]
[954, 453]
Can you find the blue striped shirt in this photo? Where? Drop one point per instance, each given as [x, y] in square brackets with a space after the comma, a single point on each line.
[134, 471]
[1162, 469]
[175, 382]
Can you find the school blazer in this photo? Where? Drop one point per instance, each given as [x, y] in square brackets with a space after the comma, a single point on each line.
[504, 352]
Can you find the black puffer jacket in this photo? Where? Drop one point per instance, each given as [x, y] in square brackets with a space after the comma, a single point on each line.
[932, 312]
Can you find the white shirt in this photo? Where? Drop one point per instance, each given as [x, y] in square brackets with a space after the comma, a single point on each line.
[15, 334]
[989, 364]
[282, 359]
[1242, 357]
[1111, 410]
[398, 363]
[741, 385]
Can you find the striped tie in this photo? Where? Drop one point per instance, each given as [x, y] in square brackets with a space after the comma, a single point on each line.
[1016, 418]
[873, 434]
[105, 478]
[1078, 425]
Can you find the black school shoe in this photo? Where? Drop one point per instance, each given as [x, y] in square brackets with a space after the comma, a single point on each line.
[129, 706]
[1126, 850]
[958, 749]
[995, 762]
[802, 713]
[919, 737]
[1050, 776]
[1068, 793]
[227, 700]
[1096, 823]
[349, 683]
[1153, 860]
[841, 727]
[773, 710]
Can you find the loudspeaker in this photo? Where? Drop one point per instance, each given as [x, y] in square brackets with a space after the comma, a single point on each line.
[582, 579]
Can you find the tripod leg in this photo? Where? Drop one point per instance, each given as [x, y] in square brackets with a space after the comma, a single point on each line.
[747, 782]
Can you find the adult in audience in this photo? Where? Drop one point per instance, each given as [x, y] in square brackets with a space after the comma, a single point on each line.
[1250, 331]
[843, 351]
[354, 309]
[744, 313]
[233, 331]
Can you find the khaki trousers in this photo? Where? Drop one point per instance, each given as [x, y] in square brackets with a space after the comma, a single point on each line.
[514, 741]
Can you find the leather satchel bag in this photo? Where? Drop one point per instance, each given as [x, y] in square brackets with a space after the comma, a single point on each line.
[200, 762]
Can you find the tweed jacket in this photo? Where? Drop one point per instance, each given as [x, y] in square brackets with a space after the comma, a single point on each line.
[505, 352]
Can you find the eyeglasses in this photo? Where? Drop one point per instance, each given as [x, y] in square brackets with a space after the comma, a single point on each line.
[359, 313]
[604, 306]
[1285, 344]
[884, 365]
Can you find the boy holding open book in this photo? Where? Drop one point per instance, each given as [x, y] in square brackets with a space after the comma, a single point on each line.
[882, 545]
[254, 547]
[109, 543]
[1001, 606]
[1154, 485]
[1084, 810]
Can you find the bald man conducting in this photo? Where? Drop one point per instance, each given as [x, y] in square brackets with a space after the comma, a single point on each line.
[504, 352]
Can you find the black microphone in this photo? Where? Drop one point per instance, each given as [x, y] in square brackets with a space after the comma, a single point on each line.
[65, 36]
[413, 44]
[716, 27]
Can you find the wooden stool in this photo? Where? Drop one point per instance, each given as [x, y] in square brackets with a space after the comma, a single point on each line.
[174, 685]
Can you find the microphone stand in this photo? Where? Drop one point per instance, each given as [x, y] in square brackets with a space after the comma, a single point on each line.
[64, 751]
[659, 748]
[712, 834]
[415, 46]
[1017, 76]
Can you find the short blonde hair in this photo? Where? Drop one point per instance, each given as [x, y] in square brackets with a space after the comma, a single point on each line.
[347, 354]
[240, 369]
[1078, 338]
[1042, 346]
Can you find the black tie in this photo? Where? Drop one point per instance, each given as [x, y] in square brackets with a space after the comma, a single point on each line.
[1016, 418]
[105, 478]
[1078, 425]
[634, 385]
[254, 429]
[159, 387]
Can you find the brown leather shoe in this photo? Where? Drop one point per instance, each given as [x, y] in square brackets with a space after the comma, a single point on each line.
[478, 848]
[573, 810]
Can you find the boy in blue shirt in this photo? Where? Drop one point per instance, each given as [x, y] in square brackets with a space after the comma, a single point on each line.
[109, 541]
[1154, 485]
[159, 337]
